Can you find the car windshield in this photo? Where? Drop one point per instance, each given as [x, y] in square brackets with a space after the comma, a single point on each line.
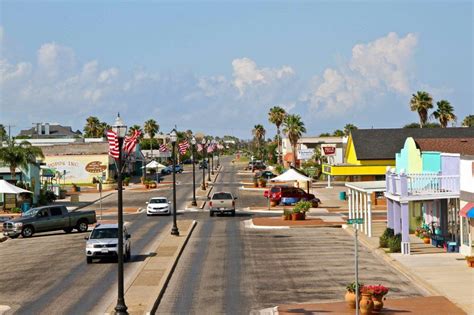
[104, 233]
[30, 213]
[158, 200]
[275, 189]
[220, 196]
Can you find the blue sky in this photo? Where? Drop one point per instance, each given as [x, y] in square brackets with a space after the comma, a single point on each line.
[218, 67]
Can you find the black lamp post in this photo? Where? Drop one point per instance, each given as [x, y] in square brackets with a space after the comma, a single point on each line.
[173, 138]
[120, 129]
[203, 142]
[208, 163]
[213, 145]
[193, 147]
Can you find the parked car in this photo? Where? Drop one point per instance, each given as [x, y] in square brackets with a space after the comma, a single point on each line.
[203, 164]
[48, 218]
[103, 243]
[276, 193]
[222, 202]
[266, 175]
[169, 169]
[189, 161]
[158, 205]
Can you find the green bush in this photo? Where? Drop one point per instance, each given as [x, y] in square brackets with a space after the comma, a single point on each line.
[46, 197]
[302, 206]
[279, 169]
[15, 210]
[385, 237]
[395, 243]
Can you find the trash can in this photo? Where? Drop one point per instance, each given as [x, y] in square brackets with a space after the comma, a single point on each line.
[342, 195]
[25, 206]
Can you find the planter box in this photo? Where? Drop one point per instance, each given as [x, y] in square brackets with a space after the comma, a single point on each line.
[297, 216]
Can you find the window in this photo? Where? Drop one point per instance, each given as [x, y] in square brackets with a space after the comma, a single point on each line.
[104, 233]
[43, 213]
[159, 200]
[222, 196]
[55, 211]
[465, 231]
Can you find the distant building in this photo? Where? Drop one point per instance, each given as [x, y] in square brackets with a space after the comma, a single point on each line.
[49, 131]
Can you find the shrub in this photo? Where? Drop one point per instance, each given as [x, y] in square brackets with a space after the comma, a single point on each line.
[395, 243]
[15, 210]
[302, 206]
[279, 169]
[46, 197]
[385, 237]
[352, 287]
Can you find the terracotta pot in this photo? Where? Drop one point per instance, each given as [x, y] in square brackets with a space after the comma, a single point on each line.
[350, 298]
[297, 216]
[366, 304]
[286, 217]
[378, 302]
[426, 240]
[470, 262]
[255, 184]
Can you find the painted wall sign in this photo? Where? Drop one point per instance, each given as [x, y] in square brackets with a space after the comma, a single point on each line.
[79, 168]
[328, 149]
[95, 167]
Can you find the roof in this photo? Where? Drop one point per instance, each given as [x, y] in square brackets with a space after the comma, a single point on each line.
[463, 146]
[76, 149]
[290, 175]
[383, 144]
[370, 186]
[55, 131]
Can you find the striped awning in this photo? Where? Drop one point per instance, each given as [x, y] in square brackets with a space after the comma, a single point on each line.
[468, 210]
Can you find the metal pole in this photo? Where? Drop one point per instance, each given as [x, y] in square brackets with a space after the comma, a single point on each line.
[212, 163]
[203, 186]
[174, 230]
[120, 308]
[208, 168]
[356, 271]
[100, 199]
[194, 203]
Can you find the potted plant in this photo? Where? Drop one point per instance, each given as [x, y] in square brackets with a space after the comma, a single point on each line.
[286, 215]
[470, 261]
[366, 304]
[395, 243]
[350, 296]
[378, 293]
[385, 237]
[426, 237]
[126, 181]
[300, 209]
[255, 181]
[262, 182]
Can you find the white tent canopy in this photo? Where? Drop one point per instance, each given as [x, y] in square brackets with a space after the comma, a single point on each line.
[155, 165]
[290, 175]
[7, 188]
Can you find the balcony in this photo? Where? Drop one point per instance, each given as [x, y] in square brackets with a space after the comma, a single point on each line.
[422, 186]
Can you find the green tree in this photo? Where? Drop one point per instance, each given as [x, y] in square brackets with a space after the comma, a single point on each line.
[19, 155]
[276, 115]
[3, 134]
[102, 129]
[294, 128]
[444, 113]
[338, 133]
[325, 134]
[427, 125]
[258, 133]
[151, 128]
[421, 102]
[132, 129]
[348, 128]
[468, 121]
[93, 128]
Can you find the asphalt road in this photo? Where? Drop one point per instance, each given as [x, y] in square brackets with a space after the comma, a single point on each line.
[229, 269]
[48, 274]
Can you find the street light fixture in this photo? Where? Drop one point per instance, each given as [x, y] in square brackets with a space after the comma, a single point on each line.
[213, 145]
[174, 138]
[203, 142]
[193, 147]
[120, 129]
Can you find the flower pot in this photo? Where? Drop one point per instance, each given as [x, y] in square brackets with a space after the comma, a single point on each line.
[350, 298]
[366, 304]
[255, 184]
[286, 217]
[378, 302]
[426, 240]
[297, 216]
[470, 262]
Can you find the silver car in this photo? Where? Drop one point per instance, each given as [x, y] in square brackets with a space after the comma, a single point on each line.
[103, 242]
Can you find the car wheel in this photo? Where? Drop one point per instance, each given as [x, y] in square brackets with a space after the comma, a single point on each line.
[68, 230]
[211, 213]
[82, 226]
[27, 231]
[232, 213]
[148, 214]
[89, 260]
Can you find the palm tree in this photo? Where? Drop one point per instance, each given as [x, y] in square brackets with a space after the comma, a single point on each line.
[92, 129]
[468, 121]
[338, 133]
[151, 128]
[19, 155]
[444, 113]
[132, 129]
[421, 102]
[294, 128]
[276, 115]
[102, 129]
[348, 128]
[259, 134]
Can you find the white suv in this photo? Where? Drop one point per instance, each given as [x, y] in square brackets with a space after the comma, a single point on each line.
[103, 242]
[158, 205]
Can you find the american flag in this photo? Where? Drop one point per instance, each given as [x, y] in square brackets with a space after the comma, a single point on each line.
[200, 147]
[113, 144]
[183, 146]
[163, 148]
[131, 141]
[210, 148]
[220, 146]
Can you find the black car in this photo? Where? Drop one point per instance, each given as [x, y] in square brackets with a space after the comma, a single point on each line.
[266, 174]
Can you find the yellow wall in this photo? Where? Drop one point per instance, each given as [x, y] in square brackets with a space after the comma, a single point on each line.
[75, 166]
[347, 170]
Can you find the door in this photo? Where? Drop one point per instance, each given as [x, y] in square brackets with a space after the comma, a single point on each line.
[58, 220]
[42, 220]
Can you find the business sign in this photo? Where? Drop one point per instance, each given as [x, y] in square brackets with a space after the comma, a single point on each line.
[79, 168]
[328, 150]
[95, 167]
[305, 154]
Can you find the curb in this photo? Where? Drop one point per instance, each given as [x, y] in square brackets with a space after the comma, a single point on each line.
[170, 273]
[249, 225]
[424, 287]
[3, 239]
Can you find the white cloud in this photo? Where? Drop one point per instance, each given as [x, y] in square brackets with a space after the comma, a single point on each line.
[375, 68]
[247, 74]
[55, 59]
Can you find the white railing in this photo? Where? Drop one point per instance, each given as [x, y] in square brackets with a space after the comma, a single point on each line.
[420, 184]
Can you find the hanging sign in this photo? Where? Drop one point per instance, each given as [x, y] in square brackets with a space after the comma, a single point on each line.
[328, 149]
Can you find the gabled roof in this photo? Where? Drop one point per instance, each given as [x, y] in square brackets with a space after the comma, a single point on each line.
[55, 131]
[463, 146]
[383, 144]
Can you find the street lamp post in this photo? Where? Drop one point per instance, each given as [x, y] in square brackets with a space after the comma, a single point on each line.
[174, 138]
[120, 129]
[208, 166]
[193, 147]
[212, 156]
[203, 142]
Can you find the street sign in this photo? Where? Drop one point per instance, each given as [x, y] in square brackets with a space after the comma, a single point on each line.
[305, 154]
[355, 221]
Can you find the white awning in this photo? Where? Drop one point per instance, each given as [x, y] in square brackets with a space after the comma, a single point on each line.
[7, 188]
[155, 165]
[291, 175]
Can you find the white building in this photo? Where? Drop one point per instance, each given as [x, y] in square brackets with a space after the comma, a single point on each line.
[331, 147]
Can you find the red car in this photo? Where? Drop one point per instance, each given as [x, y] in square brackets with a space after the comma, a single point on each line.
[278, 192]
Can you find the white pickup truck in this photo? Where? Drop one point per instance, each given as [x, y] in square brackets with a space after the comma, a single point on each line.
[222, 202]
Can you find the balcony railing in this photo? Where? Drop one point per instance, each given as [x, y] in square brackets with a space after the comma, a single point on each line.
[422, 184]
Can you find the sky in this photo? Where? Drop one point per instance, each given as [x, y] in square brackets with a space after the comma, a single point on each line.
[218, 66]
